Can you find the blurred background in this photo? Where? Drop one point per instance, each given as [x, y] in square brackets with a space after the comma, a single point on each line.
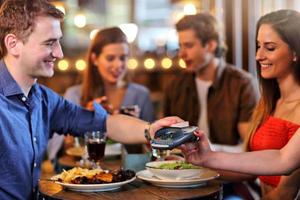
[149, 26]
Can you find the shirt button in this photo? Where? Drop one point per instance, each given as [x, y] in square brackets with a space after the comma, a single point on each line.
[34, 165]
[34, 139]
[24, 99]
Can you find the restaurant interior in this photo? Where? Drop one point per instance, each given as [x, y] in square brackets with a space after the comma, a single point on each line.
[165, 163]
[149, 27]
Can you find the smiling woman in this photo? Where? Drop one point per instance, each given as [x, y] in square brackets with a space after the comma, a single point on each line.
[275, 126]
[273, 54]
[106, 77]
[106, 82]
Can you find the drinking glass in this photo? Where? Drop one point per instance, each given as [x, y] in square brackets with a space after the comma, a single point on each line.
[95, 142]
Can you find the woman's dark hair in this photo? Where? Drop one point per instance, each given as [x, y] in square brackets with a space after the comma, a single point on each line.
[92, 86]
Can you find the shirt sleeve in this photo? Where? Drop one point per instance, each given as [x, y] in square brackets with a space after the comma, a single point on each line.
[67, 117]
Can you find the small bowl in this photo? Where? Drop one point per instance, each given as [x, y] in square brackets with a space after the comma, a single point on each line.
[173, 174]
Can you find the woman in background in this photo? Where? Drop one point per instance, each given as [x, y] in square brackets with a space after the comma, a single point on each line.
[276, 119]
[106, 79]
[106, 82]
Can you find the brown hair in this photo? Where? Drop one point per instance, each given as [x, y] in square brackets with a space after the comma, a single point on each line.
[205, 27]
[92, 86]
[286, 24]
[18, 17]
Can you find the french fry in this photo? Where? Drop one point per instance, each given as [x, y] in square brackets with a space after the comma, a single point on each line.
[68, 176]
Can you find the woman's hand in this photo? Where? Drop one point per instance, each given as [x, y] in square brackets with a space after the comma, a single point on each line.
[103, 101]
[195, 152]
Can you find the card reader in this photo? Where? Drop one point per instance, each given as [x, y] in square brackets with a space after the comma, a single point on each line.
[171, 137]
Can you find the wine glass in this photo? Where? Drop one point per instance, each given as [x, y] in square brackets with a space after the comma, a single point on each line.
[95, 142]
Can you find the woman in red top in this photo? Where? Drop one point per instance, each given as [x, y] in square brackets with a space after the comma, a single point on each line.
[276, 119]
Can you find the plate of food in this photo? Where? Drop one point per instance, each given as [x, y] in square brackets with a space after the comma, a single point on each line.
[197, 181]
[95, 180]
[174, 170]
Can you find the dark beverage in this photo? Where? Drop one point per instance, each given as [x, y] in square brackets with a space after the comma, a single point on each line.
[96, 150]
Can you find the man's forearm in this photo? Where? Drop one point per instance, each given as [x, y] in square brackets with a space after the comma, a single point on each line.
[126, 129]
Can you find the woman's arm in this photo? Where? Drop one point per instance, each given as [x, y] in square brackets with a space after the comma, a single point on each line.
[266, 162]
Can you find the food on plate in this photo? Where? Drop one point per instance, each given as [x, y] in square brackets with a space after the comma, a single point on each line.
[178, 165]
[78, 175]
[174, 170]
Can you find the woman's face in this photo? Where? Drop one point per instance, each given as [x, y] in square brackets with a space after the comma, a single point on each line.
[111, 62]
[273, 54]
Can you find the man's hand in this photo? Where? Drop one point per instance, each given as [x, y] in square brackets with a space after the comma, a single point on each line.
[164, 122]
[103, 102]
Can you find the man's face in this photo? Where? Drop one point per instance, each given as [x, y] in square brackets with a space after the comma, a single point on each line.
[195, 55]
[42, 48]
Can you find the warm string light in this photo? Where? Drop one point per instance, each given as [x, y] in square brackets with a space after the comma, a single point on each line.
[181, 63]
[149, 63]
[63, 65]
[132, 64]
[166, 63]
[80, 65]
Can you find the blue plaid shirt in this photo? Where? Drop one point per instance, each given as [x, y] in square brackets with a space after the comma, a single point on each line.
[26, 123]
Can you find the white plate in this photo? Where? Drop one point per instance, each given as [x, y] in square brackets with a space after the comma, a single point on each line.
[184, 183]
[92, 187]
[110, 150]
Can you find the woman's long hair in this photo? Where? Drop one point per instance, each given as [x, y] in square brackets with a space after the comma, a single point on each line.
[92, 85]
[286, 24]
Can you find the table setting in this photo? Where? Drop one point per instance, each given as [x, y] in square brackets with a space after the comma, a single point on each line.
[107, 178]
[143, 185]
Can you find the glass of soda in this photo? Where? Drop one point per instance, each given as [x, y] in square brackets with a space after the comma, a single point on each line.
[95, 142]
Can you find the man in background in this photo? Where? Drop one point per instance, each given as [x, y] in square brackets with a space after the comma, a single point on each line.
[210, 93]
